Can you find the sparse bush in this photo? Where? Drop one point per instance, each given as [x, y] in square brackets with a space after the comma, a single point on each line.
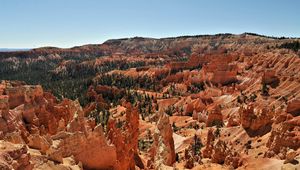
[217, 123]
[217, 132]
[197, 145]
[170, 110]
[253, 97]
[265, 90]
[175, 128]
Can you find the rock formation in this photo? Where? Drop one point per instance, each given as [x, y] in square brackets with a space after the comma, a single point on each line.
[124, 135]
[294, 107]
[58, 130]
[14, 156]
[256, 121]
[270, 78]
[284, 135]
[162, 151]
[220, 152]
[215, 117]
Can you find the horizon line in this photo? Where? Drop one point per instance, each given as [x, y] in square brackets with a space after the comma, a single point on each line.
[16, 49]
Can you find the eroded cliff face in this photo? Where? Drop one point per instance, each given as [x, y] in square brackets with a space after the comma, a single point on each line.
[56, 129]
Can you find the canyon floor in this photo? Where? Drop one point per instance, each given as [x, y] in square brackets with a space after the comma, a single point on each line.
[194, 102]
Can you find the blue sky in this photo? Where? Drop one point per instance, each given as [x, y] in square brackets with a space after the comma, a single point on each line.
[66, 23]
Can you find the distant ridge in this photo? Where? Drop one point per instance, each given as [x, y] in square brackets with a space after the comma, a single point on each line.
[137, 38]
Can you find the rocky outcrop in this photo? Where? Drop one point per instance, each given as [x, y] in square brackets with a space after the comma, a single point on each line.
[4, 114]
[162, 151]
[293, 107]
[11, 120]
[41, 143]
[256, 121]
[58, 130]
[87, 148]
[284, 135]
[14, 156]
[219, 71]
[88, 143]
[28, 106]
[215, 117]
[224, 77]
[194, 106]
[233, 120]
[220, 152]
[207, 151]
[34, 112]
[269, 78]
[124, 135]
